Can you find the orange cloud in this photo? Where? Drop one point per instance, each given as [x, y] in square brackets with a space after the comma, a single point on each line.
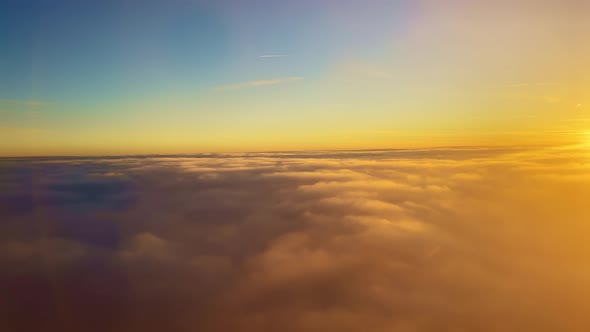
[415, 240]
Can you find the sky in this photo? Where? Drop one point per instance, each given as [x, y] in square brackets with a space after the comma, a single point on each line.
[186, 76]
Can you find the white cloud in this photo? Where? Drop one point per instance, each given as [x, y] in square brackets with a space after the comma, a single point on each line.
[257, 83]
[31, 103]
[274, 56]
[536, 84]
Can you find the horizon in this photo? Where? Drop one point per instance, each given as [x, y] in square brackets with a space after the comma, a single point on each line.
[246, 152]
[302, 151]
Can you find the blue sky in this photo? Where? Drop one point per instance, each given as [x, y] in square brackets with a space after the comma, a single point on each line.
[88, 51]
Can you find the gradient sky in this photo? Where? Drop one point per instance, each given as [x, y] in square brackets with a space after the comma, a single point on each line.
[118, 77]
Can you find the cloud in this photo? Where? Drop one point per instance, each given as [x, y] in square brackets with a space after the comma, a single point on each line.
[17, 102]
[54, 250]
[146, 245]
[258, 83]
[273, 56]
[536, 84]
[551, 99]
[16, 131]
[473, 239]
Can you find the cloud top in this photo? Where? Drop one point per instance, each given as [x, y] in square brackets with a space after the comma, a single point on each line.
[474, 239]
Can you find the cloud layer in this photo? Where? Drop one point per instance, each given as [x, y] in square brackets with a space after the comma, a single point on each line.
[252, 84]
[465, 239]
